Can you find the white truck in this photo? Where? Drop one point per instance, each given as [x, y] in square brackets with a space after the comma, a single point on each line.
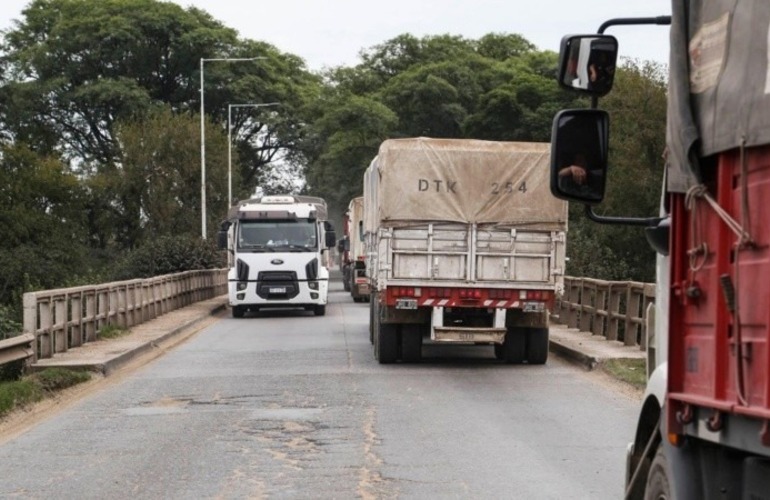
[464, 244]
[276, 252]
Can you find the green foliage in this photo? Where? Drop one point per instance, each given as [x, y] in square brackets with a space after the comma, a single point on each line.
[41, 220]
[56, 379]
[630, 371]
[81, 65]
[167, 255]
[496, 88]
[112, 332]
[155, 188]
[9, 326]
[16, 394]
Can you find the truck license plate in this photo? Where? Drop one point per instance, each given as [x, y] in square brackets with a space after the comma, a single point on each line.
[406, 304]
[534, 307]
[277, 289]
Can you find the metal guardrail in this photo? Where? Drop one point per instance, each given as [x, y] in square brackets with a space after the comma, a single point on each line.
[616, 310]
[58, 320]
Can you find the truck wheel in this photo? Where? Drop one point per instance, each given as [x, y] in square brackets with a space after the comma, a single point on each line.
[411, 344]
[387, 340]
[515, 346]
[658, 484]
[537, 346]
[372, 318]
[238, 311]
[320, 310]
[346, 281]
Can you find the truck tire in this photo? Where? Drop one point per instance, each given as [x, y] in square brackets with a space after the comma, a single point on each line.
[238, 311]
[515, 346]
[372, 317]
[387, 343]
[411, 343]
[320, 310]
[346, 279]
[537, 346]
[658, 482]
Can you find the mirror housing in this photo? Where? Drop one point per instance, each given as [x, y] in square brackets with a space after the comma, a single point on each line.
[579, 147]
[331, 236]
[222, 239]
[587, 63]
[343, 245]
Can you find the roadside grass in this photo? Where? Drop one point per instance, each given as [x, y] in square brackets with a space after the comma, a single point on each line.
[631, 371]
[17, 394]
[112, 332]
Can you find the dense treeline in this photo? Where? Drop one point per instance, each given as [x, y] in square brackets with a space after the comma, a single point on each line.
[100, 134]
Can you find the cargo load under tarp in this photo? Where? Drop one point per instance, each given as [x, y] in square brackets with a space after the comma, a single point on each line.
[717, 46]
[464, 180]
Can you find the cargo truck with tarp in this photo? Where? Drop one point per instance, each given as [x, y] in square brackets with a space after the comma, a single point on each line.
[464, 244]
[703, 428]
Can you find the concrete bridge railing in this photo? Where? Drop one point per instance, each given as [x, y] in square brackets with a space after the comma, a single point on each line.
[616, 310]
[57, 320]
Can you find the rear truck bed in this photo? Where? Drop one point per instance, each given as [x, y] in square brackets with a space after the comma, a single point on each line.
[466, 283]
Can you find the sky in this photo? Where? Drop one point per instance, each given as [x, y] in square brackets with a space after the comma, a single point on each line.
[328, 33]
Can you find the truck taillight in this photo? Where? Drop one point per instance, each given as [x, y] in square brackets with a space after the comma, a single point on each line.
[406, 291]
[539, 295]
[439, 292]
[470, 293]
[495, 293]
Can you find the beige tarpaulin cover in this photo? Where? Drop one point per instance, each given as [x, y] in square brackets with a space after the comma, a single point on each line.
[465, 180]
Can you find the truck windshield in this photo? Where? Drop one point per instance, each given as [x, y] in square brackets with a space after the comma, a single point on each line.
[277, 235]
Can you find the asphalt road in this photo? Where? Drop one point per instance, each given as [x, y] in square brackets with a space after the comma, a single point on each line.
[288, 405]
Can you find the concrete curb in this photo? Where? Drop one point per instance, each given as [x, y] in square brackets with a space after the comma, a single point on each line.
[587, 361]
[111, 364]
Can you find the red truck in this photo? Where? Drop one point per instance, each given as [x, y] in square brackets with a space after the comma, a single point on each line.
[704, 425]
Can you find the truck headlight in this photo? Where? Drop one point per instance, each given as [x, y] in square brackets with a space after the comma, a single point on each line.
[313, 285]
[241, 285]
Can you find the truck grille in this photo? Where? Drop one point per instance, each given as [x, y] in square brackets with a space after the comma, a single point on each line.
[277, 285]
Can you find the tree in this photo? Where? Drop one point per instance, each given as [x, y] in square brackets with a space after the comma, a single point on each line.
[77, 67]
[157, 181]
[41, 220]
[349, 134]
[438, 86]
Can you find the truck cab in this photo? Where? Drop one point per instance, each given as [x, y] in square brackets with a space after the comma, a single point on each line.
[703, 430]
[276, 248]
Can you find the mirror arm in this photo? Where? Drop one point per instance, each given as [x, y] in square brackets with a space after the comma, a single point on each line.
[621, 21]
[625, 221]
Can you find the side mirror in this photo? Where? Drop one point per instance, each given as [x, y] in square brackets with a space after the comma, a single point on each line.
[331, 238]
[361, 230]
[579, 145]
[587, 63]
[222, 240]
